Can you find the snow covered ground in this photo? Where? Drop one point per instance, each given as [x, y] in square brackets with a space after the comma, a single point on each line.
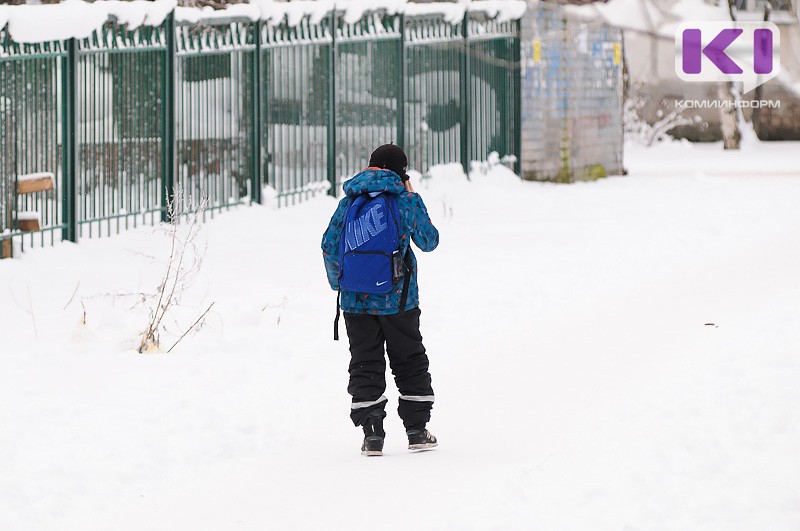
[618, 355]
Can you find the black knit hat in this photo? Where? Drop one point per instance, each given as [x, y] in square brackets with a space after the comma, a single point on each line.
[390, 157]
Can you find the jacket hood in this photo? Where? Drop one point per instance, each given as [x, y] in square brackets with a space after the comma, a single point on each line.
[373, 180]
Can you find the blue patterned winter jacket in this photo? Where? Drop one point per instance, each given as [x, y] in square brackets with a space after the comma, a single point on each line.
[415, 224]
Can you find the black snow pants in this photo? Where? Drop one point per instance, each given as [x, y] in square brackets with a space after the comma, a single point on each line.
[407, 359]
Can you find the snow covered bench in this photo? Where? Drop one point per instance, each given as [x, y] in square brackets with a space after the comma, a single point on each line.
[35, 182]
[28, 221]
[5, 246]
[28, 184]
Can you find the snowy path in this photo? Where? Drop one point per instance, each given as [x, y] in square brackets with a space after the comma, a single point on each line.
[578, 386]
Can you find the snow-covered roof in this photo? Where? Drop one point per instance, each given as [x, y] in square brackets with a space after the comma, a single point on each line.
[79, 19]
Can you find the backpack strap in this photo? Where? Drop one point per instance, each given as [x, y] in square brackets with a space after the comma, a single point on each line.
[406, 280]
[336, 321]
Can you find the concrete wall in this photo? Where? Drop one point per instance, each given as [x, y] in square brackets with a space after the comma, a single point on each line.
[571, 97]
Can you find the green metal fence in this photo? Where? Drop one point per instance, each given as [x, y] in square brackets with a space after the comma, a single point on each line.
[30, 134]
[494, 106]
[214, 97]
[296, 110]
[230, 110]
[435, 62]
[118, 128]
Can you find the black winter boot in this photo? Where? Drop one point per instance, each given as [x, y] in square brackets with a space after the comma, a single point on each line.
[373, 434]
[419, 440]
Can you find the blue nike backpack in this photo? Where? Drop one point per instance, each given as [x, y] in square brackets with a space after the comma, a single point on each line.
[370, 258]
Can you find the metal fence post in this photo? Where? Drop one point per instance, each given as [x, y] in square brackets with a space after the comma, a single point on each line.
[401, 80]
[464, 97]
[331, 114]
[517, 73]
[68, 141]
[168, 119]
[255, 140]
[500, 75]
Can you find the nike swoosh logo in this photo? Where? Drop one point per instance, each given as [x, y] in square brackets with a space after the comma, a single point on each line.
[381, 283]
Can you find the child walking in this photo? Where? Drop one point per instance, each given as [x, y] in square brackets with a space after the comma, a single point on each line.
[368, 259]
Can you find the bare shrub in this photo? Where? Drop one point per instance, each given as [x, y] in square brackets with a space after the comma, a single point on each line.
[639, 130]
[181, 269]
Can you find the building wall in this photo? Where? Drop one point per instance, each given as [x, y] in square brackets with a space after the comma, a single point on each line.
[571, 97]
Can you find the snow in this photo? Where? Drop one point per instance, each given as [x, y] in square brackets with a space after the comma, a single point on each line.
[68, 19]
[207, 13]
[704, 158]
[651, 17]
[503, 10]
[354, 10]
[295, 11]
[139, 12]
[451, 12]
[35, 176]
[578, 382]
[28, 215]
[454, 12]
[79, 19]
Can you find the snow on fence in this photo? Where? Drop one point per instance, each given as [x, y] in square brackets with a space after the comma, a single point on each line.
[126, 102]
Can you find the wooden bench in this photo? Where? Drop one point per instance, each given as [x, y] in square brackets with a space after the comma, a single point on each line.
[28, 221]
[30, 183]
[35, 182]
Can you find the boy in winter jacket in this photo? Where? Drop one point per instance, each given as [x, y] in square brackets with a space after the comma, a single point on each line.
[375, 320]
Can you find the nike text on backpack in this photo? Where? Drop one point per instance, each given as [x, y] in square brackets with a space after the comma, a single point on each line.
[370, 258]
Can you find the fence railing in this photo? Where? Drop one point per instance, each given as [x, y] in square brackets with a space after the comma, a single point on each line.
[229, 110]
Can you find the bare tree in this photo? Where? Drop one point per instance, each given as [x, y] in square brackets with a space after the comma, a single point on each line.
[728, 121]
[729, 125]
[755, 118]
